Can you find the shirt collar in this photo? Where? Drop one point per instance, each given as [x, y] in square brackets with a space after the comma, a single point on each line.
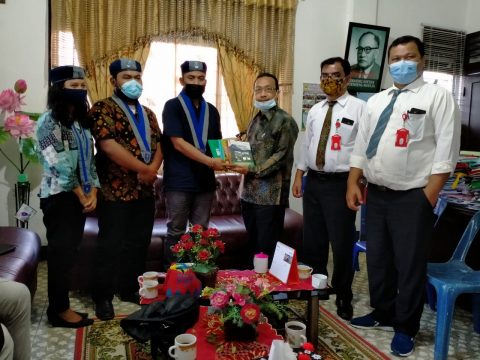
[269, 113]
[414, 86]
[341, 100]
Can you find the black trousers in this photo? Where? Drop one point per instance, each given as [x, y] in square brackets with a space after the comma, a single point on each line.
[64, 221]
[125, 231]
[327, 219]
[399, 227]
[264, 224]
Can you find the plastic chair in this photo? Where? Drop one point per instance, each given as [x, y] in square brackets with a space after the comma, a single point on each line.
[361, 245]
[451, 279]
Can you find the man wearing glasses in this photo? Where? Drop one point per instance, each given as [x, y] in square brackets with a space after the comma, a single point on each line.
[272, 134]
[330, 133]
[367, 51]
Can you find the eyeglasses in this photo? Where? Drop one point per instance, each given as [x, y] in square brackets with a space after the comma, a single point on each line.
[258, 90]
[334, 76]
[367, 49]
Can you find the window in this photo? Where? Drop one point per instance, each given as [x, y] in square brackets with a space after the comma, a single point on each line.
[161, 74]
[444, 55]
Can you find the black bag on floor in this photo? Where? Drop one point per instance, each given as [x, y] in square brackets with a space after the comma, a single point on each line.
[162, 320]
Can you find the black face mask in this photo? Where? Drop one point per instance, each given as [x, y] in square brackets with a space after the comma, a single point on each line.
[194, 91]
[75, 96]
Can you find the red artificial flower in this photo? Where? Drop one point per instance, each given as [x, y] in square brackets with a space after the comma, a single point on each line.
[203, 255]
[212, 232]
[197, 228]
[188, 245]
[203, 242]
[308, 346]
[220, 245]
[176, 248]
[185, 237]
[302, 356]
[250, 313]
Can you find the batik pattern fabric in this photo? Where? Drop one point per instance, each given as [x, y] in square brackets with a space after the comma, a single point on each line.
[272, 137]
[110, 122]
[59, 153]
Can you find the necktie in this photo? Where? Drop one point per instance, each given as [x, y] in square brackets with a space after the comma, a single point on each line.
[322, 142]
[381, 125]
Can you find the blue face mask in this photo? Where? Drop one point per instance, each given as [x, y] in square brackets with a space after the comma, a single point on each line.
[404, 71]
[132, 89]
[265, 105]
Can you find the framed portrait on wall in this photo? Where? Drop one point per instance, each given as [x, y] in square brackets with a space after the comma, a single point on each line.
[366, 49]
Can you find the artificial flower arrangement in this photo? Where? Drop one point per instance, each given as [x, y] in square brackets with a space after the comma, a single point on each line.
[238, 305]
[201, 247]
[18, 125]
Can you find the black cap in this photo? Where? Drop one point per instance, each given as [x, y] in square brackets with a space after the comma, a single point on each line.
[188, 66]
[63, 73]
[124, 64]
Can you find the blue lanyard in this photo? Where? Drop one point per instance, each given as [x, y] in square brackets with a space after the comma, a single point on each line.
[198, 120]
[84, 156]
[141, 124]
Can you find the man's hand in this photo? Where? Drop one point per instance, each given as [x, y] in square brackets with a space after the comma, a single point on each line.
[217, 164]
[91, 201]
[242, 169]
[297, 184]
[354, 196]
[147, 176]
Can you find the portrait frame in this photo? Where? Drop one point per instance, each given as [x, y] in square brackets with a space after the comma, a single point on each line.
[367, 68]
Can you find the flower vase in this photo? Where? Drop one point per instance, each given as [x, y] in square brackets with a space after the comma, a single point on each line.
[233, 332]
[207, 279]
[22, 196]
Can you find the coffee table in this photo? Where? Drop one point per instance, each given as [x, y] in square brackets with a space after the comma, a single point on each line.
[301, 290]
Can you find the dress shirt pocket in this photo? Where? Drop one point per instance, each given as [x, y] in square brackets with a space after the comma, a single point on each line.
[345, 130]
[416, 126]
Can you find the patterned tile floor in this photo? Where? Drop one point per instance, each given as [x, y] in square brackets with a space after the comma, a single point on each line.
[58, 343]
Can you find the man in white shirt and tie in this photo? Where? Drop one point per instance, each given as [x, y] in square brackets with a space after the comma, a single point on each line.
[406, 148]
[330, 133]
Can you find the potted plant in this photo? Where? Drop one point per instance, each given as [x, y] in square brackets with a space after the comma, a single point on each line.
[201, 247]
[237, 308]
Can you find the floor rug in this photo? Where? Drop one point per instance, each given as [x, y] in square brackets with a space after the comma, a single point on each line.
[105, 340]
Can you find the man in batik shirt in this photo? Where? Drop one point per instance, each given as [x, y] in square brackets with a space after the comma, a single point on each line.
[272, 134]
[129, 155]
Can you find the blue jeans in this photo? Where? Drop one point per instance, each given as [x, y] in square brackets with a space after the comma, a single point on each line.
[183, 208]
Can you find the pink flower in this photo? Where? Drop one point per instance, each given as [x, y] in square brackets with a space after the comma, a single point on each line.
[19, 125]
[20, 86]
[239, 299]
[10, 101]
[219, 299]
[250, 313]
[230, 288]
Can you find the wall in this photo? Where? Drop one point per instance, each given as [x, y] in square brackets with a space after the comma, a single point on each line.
[23, 35]
[321, 30]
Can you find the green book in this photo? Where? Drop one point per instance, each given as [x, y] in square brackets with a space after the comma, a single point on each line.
[216, 147]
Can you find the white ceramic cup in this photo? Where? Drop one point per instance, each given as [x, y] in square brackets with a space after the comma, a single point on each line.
[149, 289]
[149, 275]
[319, 281]
[185, 347]
[304, 271]
[260, 263]
[296, 333]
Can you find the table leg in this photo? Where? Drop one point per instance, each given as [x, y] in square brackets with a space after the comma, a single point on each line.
[312, 319]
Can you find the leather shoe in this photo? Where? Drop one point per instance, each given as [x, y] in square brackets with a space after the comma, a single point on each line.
[344, 310]
[104, 310]
[57, 321]
[81, 314]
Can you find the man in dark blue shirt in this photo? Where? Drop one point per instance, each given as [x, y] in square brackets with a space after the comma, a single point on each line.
[189, 179]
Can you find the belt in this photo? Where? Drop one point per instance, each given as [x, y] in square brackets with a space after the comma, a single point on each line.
[379, 187]
[386, 189]
[328, 175]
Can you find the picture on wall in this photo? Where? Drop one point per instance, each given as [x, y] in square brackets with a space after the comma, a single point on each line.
[366, 49]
